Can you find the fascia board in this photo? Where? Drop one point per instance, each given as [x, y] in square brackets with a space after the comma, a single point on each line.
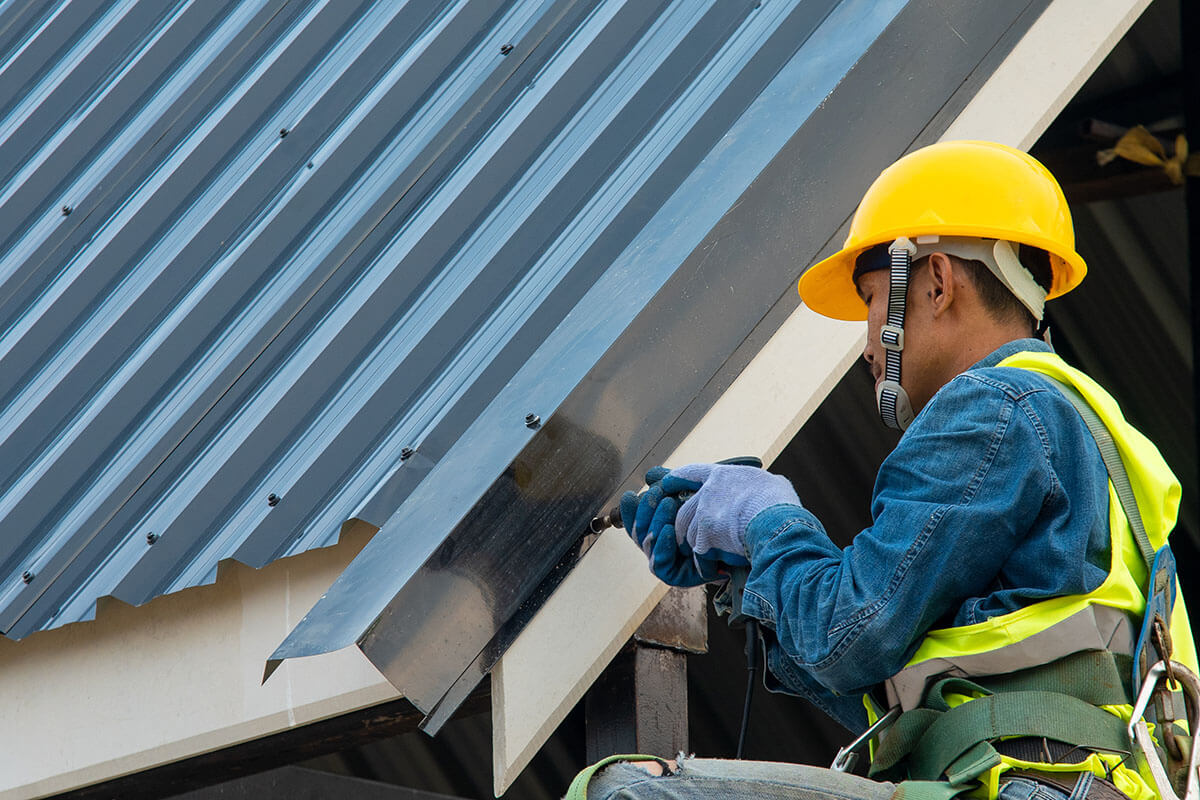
[137, 688]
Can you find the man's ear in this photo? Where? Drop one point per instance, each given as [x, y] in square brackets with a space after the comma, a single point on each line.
[942, 275]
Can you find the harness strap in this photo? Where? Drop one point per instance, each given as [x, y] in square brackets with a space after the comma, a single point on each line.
[1115, 466]
[963, 733]
[1097, 677]
[956, 744]
[1160, 565]
[1057, 700]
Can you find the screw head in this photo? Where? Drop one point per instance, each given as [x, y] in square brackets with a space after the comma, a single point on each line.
[505, 49]
[406, 453]
[66, 211]
[532, 420]
[27, 576]
[151, 537]
[283, 132]
[272, 499]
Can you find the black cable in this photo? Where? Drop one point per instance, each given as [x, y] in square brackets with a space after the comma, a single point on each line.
[751, 670]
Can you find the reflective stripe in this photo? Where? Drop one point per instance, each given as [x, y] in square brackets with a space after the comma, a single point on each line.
[1091, 628]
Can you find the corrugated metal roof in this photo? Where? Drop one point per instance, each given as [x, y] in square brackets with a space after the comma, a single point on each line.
[258, 248]
[269, 265]
[254, 249]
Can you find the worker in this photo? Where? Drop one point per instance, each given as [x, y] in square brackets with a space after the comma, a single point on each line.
[994, 614]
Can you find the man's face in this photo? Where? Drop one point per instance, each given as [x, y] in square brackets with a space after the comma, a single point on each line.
[917, 375]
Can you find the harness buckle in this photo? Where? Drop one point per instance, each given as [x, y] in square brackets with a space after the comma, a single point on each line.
[1140, 733]
[892, 337]
[1162, 643]
[847, 756]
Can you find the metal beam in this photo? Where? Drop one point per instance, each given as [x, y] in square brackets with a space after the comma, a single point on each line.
[639, 704]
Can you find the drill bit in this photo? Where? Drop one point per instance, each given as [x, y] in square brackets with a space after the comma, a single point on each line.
[609, 519]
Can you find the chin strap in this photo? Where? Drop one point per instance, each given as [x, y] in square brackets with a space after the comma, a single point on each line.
[894, 407]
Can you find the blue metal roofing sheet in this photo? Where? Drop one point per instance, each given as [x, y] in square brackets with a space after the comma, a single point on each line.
[252, 250]
[258, 247]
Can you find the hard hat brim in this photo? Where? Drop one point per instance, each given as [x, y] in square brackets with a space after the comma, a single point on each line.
[827, 287]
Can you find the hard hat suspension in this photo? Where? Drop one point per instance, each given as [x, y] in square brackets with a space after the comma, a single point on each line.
[1000, 258]
[895, 409]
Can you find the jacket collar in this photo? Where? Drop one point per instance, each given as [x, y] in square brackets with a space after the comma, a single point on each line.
[1012, 348]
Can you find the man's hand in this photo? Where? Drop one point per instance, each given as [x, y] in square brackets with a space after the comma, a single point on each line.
[638, 509]
[691, 522]
[711, 524]
[650, 521]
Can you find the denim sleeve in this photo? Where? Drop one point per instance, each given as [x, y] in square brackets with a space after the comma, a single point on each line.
[966, 482]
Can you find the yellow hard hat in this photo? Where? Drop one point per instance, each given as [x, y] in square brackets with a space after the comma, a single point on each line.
[961, 188]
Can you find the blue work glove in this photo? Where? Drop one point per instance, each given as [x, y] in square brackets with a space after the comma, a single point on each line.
[649, 518]
[638, 509]
[711, 524]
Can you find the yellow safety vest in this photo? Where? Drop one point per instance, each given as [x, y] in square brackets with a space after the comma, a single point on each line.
[1106, 618]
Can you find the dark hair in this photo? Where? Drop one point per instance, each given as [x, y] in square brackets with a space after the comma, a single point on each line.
[1002, 304]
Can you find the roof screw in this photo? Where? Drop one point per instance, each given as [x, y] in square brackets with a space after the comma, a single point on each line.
[151, 537]
[310, 165]
[272, 499]
[406, 453]
[27, 576]
[532, 420]
[505, 49]
[66, 211]
[283, 132]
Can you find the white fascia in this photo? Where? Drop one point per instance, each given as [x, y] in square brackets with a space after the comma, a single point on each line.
[766, 405]
[182, 675]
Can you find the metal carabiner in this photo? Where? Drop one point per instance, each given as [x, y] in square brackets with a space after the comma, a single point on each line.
[847, 756]
[1140, 733]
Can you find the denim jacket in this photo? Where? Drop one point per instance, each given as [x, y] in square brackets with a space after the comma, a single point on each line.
[994, 498]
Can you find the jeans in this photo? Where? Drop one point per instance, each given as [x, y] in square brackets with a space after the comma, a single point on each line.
[713, 779]
[1022, 789]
